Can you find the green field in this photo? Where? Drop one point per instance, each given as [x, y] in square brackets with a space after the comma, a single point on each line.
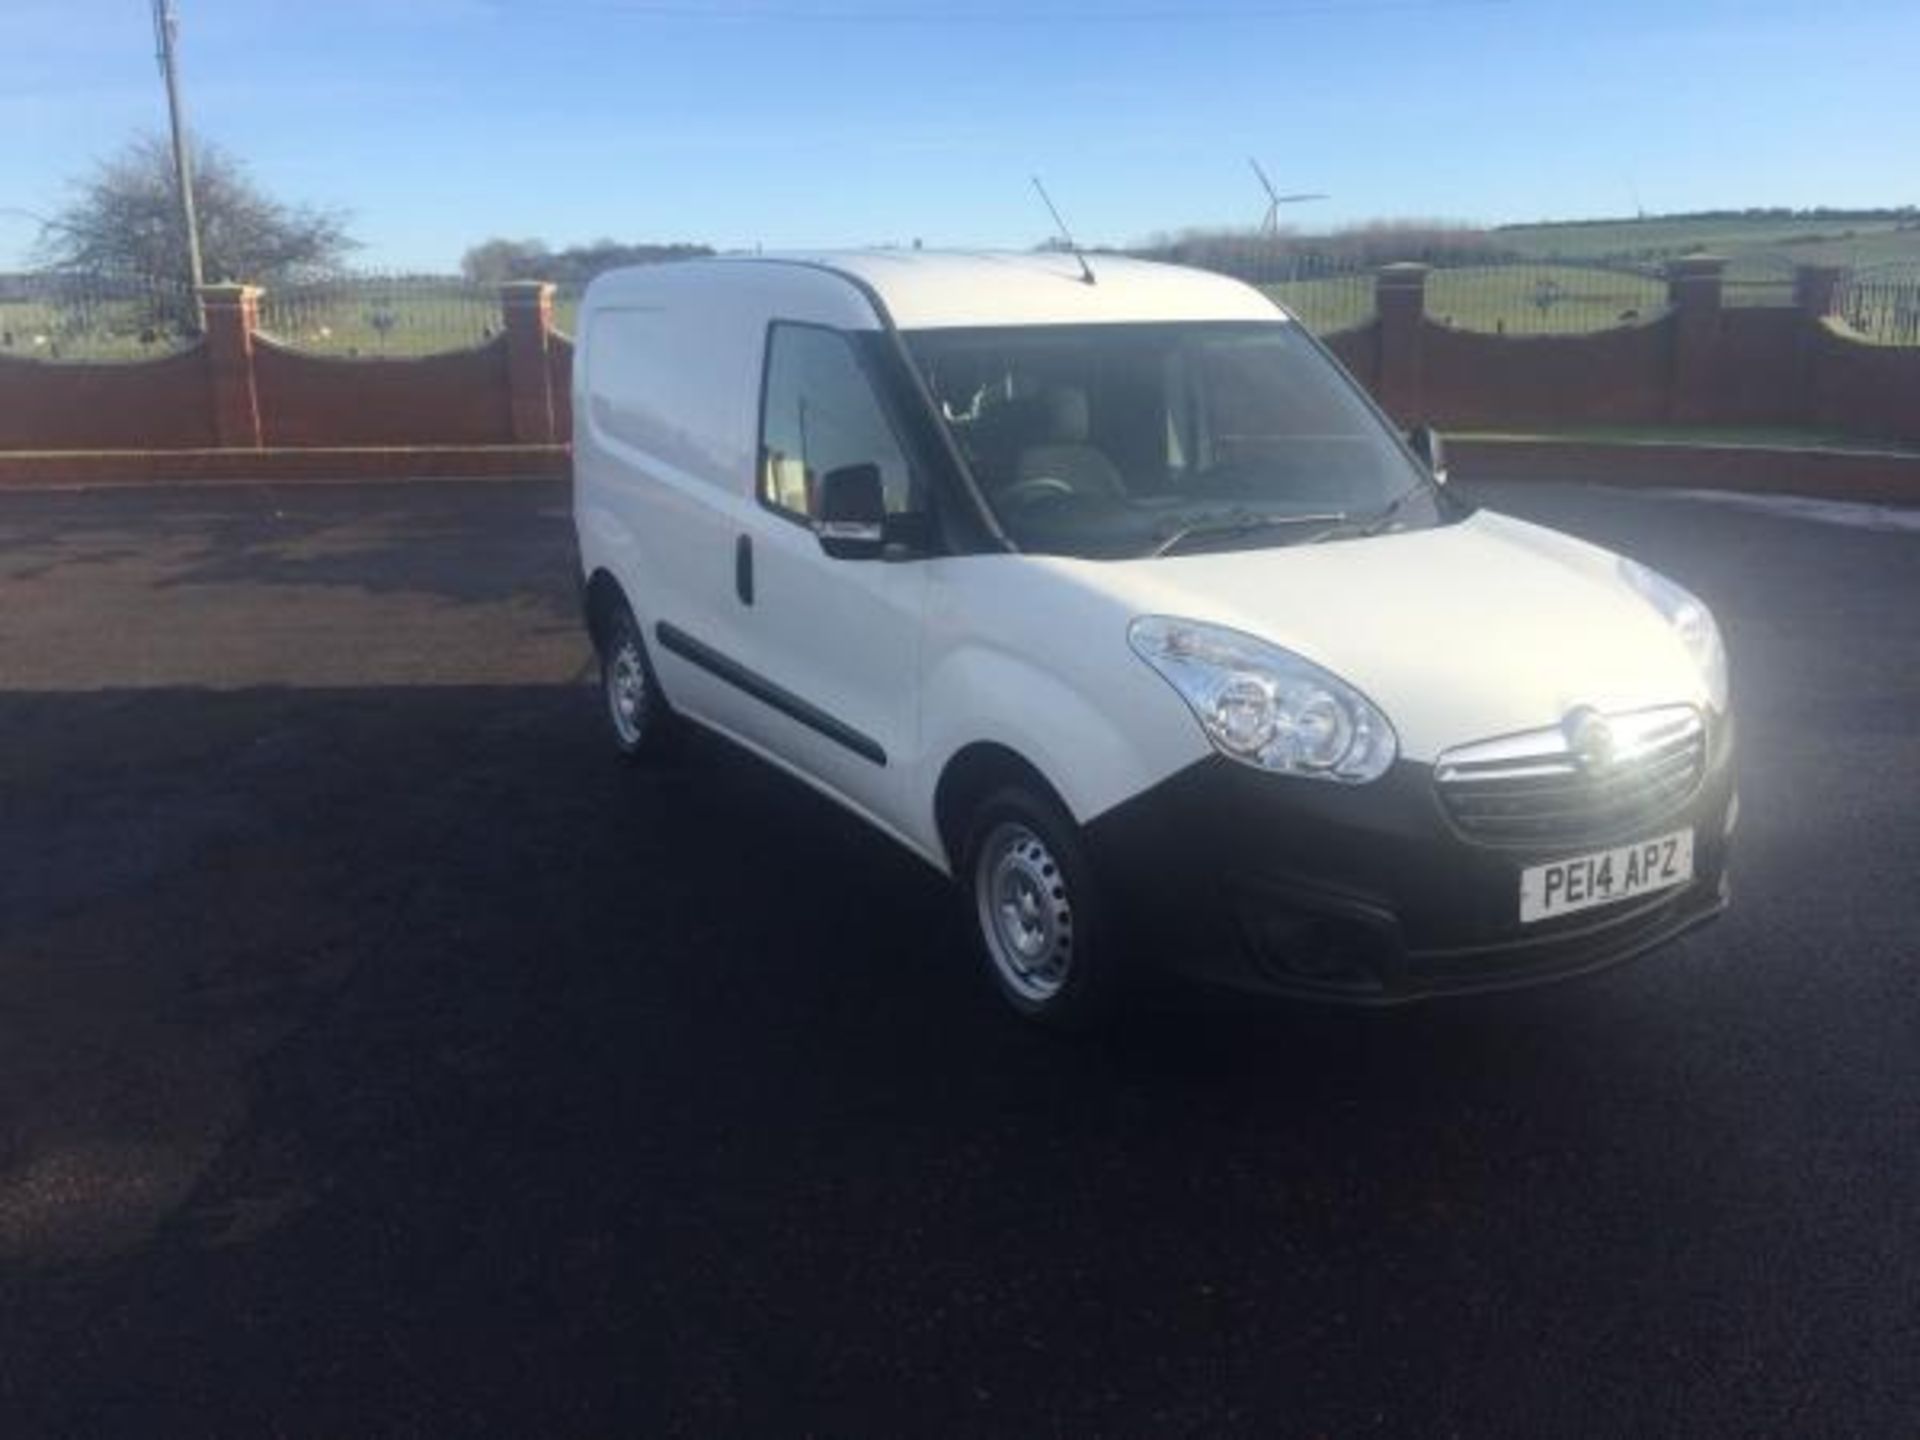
[1325, 306]
[348, 319]
[344, 323]
[1809, 240]
[121, 330]
[1531, 299]
[401, 318]
[1546, 293]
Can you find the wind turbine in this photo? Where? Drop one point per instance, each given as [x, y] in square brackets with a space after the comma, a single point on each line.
[1271, 225]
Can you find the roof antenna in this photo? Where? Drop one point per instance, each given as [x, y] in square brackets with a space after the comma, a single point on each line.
[1086, 270]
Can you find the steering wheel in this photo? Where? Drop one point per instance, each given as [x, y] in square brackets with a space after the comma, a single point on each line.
[1036, 488]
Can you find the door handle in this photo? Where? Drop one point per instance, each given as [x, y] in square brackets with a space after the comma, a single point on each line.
[743, 569]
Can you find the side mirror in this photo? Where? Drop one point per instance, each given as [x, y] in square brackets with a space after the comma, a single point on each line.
[1426, 443]
[853, 513]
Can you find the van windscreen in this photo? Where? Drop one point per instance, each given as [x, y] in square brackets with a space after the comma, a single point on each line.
[1106, 441]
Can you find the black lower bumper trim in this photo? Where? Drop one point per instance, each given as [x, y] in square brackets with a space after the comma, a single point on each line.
[1364, 895]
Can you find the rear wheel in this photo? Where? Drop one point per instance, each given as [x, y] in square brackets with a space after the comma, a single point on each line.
[1036, 910]
[636, 711]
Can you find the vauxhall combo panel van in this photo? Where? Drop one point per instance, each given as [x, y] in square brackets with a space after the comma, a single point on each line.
[1108, 593]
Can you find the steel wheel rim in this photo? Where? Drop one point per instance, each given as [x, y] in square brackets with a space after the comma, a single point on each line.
[1025, 912]
[627, 691]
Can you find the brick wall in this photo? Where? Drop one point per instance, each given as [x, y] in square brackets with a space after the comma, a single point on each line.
[463, 397]
[1621, 376]
[238, 404]
[1702, 363]
[1863, 389]
[53, 405]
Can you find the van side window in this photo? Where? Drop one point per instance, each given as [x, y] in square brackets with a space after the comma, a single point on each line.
[821, 413]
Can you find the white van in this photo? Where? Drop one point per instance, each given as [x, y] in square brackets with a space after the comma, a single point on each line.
[1109, 594]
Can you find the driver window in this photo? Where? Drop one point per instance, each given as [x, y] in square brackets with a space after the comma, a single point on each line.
[820, 414]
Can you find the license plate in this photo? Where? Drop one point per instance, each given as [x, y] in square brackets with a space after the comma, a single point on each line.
[1605, 876]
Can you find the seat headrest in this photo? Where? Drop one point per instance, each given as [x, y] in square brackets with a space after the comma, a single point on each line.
[1066, 411]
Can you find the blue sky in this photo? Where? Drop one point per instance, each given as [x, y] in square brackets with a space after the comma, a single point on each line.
[844, 122]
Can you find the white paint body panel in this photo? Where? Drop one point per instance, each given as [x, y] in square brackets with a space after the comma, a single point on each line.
[665, 448]
[1457, 634]
[925, 290]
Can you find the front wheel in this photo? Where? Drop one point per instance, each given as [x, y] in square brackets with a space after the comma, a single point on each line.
[1037, 910]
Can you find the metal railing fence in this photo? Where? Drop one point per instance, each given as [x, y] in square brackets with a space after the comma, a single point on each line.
[1328, 291]
[1881, 304]
[1544, 297]
[60, 316]
[1758, 280]
[1327, 296]
[566, 306]
[72, 316]
[1481, 290]
[375, 315]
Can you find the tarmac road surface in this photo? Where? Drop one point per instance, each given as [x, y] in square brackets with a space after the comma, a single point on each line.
[377, 1058]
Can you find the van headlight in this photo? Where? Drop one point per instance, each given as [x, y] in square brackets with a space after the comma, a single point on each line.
[1691, 621]
[1264, 706]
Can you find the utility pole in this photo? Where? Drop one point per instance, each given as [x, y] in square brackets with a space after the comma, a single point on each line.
[166, 29]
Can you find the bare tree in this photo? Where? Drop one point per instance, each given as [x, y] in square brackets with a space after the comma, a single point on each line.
[499, 259]
[492, 261]
[125, 218]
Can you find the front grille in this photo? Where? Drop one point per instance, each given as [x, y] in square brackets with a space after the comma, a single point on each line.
[1544, 788]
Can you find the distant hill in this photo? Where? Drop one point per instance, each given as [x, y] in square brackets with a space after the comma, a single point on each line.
[1819, 236]
[1758, 242]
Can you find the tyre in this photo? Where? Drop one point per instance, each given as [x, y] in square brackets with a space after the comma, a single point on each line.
[636, 711]
[1037, 911]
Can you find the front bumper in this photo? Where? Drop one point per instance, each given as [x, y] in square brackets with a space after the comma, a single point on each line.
[1366, 895]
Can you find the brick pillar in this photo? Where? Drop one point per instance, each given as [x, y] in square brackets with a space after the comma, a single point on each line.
[1693, 289]
[1813, 287]
[232, 315]
[527, 308]
[1400, 295]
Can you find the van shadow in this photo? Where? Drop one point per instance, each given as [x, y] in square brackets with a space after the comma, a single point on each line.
[394, 1035]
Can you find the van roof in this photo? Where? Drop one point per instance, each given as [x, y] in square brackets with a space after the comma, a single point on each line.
[932, 289]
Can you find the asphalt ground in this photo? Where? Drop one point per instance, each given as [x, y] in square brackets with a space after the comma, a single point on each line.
[377, 1058]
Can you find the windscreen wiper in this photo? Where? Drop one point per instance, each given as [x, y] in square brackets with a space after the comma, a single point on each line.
[1382, 517]
[1244, 522]
[1379, 520]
